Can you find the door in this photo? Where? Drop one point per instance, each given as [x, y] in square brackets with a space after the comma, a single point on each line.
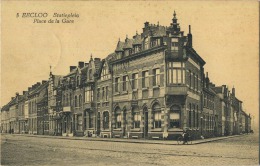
[125, 123]
[145, 123]
[98, 123]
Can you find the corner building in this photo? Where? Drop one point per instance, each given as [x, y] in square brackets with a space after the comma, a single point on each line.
[157, 82]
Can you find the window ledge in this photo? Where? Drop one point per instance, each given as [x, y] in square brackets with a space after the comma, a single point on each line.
[136, 129]
[156, 87]
[118, 129]
[145, 88]
[124, 92]
[135, 90]
[156, 129]
[116, 93]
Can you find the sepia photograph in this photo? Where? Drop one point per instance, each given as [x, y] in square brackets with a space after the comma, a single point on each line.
[129, 83]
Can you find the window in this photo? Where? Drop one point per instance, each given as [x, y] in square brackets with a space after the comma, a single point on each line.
[88, 94]
[98, 94]
[106, 120]
[197, 116]
[80, 100]
[78, 81]
[71, 99]
[190, 116]
[103, 93]
[174, 44]
[106, 93]
[118, 120]
[125, 79]
[156, 77]
[146, 43]
[85, 119]
[157, 120]
[137, 119]
[67, 99]
[176, 73]
[156, 116]
[135, 80]
[75, 101]
[194, 81]
[117, 84]
[90, 74]
[190, 78]
[175, 117]
[145, 79]
[194, 116]
[91, 120]
[104, 73]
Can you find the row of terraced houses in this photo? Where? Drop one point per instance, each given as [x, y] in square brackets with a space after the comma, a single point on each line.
[152, 86]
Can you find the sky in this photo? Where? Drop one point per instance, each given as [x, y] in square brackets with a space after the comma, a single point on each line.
[225, 35]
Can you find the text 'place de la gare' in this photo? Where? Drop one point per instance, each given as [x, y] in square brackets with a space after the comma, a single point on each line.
[152, 86]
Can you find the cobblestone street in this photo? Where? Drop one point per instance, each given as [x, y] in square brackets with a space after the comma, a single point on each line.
[23, 150]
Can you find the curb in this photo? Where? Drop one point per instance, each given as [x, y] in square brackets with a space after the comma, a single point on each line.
[166, 142]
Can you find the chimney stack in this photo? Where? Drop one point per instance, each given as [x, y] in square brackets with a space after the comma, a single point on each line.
[189, 37]
[81, 65]
[234, 91]
[72, 68]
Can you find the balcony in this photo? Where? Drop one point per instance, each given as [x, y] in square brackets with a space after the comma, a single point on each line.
[176, 90]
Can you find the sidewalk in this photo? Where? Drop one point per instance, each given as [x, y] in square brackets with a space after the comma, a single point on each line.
[126, 140]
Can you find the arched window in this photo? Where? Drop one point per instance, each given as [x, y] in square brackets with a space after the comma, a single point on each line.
[156, 109]
[106, 120]
[75, 101]
[175, 117]
[118, 115]
[80, 100]
[67, 99]
[136, 118]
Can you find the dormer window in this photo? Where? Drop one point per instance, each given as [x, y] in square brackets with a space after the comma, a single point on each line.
[119, 55]
[137, 49]
[146, 43]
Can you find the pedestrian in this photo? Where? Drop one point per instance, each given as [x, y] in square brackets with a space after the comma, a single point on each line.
[185, 137]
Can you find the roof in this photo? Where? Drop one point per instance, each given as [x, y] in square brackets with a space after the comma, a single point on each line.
[160, 31]
[137, 40]
[128, 43]
[119, 46]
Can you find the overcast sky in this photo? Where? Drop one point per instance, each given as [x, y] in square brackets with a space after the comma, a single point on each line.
[225, 35]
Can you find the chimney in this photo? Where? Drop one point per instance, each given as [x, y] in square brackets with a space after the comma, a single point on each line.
[12, 98]
[81, 65]
[44, 81]
[146, 24]
[30, 88]
[37, 84]
[24, 92]
[233, 91]
[189, 37]
[96, 59]
[72, 68]
[17, 94]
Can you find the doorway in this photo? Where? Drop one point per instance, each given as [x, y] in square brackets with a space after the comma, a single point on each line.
[145, 111]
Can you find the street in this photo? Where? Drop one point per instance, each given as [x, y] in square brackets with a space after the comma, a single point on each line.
[23, 150]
